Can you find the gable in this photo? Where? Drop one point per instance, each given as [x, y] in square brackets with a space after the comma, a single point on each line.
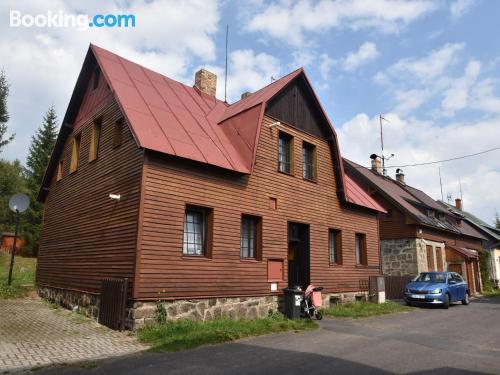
[296, 106]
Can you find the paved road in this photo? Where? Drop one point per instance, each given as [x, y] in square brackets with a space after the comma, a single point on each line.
[461, 340]
[32, 334]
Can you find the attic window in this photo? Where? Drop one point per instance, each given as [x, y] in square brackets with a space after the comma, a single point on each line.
[97, 76]
[117, 133]
[60, 166]
[75, 153]
[94, 140]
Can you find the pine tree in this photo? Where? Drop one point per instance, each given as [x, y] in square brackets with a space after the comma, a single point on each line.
[4, 114]
[39, 152]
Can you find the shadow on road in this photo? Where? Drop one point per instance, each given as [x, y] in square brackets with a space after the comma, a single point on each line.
[235, 358]
[494, 300]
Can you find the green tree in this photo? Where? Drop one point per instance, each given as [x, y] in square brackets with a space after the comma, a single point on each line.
[4, 114]
[497, 221]
[42, 143]
[12, 181]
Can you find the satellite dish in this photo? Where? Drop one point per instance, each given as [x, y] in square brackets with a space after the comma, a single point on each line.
[19, 202]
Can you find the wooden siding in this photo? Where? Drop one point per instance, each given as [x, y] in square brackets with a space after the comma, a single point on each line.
[295, 106]
[85, 235]
[171, 183]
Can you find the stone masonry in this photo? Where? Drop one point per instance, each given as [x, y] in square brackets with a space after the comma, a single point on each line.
[142, 313]
[399, 257]
[86, 304]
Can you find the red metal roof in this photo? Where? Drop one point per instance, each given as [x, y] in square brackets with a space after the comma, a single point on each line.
[355, 194]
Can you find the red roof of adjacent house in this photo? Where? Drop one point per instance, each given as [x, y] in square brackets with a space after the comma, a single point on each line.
[466, 253]
[175, 119]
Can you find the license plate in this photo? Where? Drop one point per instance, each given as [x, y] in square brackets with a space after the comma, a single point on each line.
[418, 296]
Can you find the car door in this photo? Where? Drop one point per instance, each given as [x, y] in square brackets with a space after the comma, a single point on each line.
[461, 287]
[452, 288]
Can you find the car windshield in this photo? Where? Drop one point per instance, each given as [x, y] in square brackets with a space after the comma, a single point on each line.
[430, 277]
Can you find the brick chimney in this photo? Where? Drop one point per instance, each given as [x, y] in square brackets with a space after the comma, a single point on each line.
[458, 204]
[376, 164]
[245, 95]
[206, 81]
[400, 176]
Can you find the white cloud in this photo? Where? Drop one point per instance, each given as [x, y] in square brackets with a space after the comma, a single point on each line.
[414, 141]
[289, 20]
[409, 100]
[459, 7]
[484, 97]
[367, 52]
[326, 64]
[457, 95]
[429, 67]
[42, 64]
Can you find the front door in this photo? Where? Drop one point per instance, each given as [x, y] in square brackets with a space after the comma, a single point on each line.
[298, 255]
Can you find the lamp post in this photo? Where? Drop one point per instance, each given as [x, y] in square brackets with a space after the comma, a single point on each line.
[18, 203]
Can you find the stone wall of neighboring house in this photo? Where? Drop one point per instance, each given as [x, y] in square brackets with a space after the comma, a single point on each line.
[438, 250]
[495, 267]
[399, 257]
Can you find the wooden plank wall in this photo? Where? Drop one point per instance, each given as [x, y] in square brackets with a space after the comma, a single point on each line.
[170, 184]
[86, 236]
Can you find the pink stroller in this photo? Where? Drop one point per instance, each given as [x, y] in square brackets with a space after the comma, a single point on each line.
[311, 302]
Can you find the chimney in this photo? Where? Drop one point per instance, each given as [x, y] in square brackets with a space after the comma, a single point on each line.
[206, 82]
[245, 95]
[376, 164]
[400, 176]
[458, 204]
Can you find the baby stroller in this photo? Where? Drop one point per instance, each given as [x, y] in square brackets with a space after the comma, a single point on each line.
[311, 302]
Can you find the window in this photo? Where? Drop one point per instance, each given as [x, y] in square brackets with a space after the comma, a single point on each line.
[285, 153]
[430, 258]
[361, 256]
[117, 133]
[60, 166]
[308, 161]
[335, 246]
[273, 203]
[250, 236]
[75, 153]
[94, 140]
[197, 231]
[97, 76]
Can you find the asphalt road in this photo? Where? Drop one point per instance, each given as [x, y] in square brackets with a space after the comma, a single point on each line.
[461, 340]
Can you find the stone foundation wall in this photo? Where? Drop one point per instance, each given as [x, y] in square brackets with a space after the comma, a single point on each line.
[400, 257]
[332, 299]
[87, 304]
[142, 313]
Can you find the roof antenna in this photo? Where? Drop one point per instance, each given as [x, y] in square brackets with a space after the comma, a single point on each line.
[449, 197]
[225, 74]
[441, 184]
[460, 184]
[382, 156]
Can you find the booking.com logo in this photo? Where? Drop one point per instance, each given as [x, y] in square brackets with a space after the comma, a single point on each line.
[62, 19]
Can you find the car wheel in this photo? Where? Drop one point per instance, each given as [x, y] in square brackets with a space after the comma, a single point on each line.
[446, 303]
[466, 300]
[319, 316]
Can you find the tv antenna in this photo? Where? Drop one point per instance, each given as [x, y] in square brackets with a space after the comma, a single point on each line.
[382, 156]
[441, 184]
[460, 184]
[448, 198]
[225, 73]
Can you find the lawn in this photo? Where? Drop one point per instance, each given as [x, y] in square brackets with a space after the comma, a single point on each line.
[23, 276]
[364, 309]
[491, 293]
[185, 334]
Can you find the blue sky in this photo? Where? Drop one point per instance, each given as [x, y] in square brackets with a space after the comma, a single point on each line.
[431, 67]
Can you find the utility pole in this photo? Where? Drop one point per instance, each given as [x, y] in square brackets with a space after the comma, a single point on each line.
[18, 203]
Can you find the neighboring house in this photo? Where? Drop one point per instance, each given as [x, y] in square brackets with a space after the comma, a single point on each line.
[417, 234]
[213, 208]
[492, 244]
[7, 243]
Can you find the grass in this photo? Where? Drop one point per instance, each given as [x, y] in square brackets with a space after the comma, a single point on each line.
[185, 334]
[364, 309]
[23, 276]
[491, 293]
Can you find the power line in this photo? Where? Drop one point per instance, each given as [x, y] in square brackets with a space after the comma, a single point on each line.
[445, 160]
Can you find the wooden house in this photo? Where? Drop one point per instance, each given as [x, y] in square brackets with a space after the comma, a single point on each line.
[417, 234]
[210, 207]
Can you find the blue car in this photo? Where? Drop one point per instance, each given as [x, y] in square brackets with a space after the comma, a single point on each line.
[437, 288]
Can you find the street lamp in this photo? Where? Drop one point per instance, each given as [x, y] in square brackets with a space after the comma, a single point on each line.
[18, 203]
